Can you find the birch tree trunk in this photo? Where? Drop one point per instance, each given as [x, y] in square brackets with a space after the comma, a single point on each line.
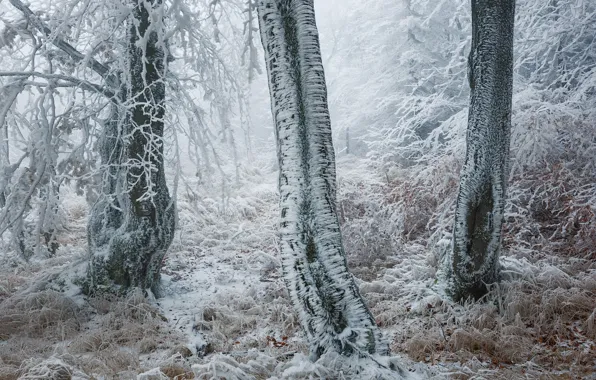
[130, 234]
[481, 198]
[322, 290]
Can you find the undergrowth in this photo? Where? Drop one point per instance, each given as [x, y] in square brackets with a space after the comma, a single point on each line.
[46, 335]
[539, 321]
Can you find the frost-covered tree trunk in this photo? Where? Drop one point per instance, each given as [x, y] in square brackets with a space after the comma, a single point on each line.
[106, 216]
[480, 203]
[8, 95]
[130, 234]
[322, 290]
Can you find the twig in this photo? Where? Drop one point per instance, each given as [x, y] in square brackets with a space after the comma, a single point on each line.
[83, 83]
[442, 331]
[94, 64]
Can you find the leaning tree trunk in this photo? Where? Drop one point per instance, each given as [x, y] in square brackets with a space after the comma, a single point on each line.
[481, 199]
[323, 292]
[129, 234]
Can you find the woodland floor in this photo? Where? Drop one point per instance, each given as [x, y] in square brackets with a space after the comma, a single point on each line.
[224, 311]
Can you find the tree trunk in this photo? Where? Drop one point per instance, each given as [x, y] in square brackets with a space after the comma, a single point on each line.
[481, 198]
[323, 292]
[130, 233]
[8, 95]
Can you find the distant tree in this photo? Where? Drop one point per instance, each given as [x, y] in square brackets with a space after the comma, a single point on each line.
[322, 290]
[416, 50]
[481, 198]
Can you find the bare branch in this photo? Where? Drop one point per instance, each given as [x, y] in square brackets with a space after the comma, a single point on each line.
[83, 83]
[94, 64]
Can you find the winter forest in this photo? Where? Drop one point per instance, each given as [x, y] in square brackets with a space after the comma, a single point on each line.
[297, 189]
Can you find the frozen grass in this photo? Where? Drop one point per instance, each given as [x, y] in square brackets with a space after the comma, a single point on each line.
[46, 314]
[106, 336]
[538, 322]
[9, 284]
[49, 369]
[522, 324]
[225, 313]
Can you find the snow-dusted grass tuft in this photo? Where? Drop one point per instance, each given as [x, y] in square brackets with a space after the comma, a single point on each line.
[15, 350]
[123, 330]
[46, 314]
[9, 284]
[260, 318]
[103, 338]
[251, 366]
[49, 369]
[256, 365]
[333, 365]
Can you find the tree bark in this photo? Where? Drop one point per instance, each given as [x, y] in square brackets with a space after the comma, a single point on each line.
[8, 95]
[481, 198]
[322, 290]
[129, 233]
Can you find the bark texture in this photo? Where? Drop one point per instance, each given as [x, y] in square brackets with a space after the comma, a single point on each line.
[8, 95]
[322, 290]
[481, 198]
[132, 225]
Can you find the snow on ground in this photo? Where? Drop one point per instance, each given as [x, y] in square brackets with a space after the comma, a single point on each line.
[224, 313]
[226, 294]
